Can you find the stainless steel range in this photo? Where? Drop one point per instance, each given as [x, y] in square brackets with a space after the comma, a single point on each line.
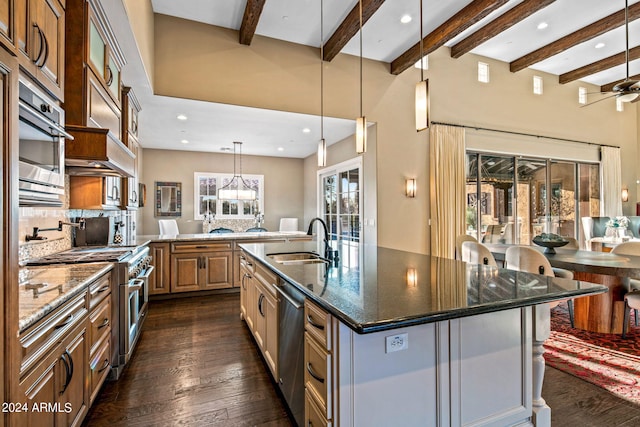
[129, 298]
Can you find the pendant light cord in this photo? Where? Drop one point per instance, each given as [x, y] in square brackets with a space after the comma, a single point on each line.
[626, 26]
[421, 47]
[361, 115]
[321, 71]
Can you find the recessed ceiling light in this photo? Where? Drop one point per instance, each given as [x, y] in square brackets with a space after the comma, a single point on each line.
[405, 19]
[306, 130]
[225, 148]
[600, 45]
[181, 117]
[184, 141]
[542, 25]
[280, 148]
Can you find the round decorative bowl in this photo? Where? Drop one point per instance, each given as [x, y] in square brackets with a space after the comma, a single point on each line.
[550, 243]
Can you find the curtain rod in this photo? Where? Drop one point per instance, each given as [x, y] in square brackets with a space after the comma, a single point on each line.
[523, 134]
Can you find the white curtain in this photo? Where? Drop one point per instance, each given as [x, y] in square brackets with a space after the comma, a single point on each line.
[611, 179]
[447, 176]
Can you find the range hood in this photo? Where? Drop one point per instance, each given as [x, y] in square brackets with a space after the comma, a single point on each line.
[97, 152]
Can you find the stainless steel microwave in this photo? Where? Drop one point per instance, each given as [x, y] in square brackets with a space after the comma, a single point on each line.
[41, 147]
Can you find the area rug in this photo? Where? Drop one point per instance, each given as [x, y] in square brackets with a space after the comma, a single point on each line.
[605, 360]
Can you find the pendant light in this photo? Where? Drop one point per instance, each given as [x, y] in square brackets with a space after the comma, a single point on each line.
[322, 145]
[422, 89]
[237, 188]
[361, 122]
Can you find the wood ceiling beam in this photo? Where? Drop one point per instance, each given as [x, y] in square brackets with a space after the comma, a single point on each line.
[498, 25]
[349, 27]
[596, 67]
[466, 17]
[250, 19]
[582, 35]
[609, 86]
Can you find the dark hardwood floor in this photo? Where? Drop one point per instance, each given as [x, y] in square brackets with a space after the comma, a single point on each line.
[197, 365]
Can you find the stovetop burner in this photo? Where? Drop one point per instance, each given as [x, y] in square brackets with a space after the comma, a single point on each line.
[86, 254]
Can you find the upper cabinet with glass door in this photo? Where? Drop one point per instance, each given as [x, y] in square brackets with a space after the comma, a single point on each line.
[101, 57]
[40, 41]
[7, 29]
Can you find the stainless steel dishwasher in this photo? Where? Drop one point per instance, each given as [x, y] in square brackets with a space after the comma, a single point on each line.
[291, 348]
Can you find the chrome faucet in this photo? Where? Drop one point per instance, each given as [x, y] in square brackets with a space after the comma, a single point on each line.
[330, 254]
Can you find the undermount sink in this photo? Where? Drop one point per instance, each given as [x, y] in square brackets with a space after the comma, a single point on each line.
[292, 258]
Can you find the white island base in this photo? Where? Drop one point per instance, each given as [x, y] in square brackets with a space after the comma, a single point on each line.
[482, 370]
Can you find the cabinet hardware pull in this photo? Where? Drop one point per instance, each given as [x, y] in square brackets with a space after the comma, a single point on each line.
[201, 246]
[41, 50]
[105, 365]
[115, 193]
[63, 358]
[70, 365]
[46, 50]
[105, 288]
[135, 196]
[313, 374]
[104, 323]
[66, 322]
[314, 324]
[260, 304]
[110, 78]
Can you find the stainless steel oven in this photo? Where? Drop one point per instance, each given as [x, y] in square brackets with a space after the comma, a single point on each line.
[41, 148]
[134, 298]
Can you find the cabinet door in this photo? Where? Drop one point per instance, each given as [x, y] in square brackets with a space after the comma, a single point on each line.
[97, 48]
[270, 351]
[216, 271]
[39, 387]
[75, 355]
[243, 292]
[112, 78]
[50, 29]
[160, 276]
[112, 191]
[252, 303]
[185, 272]
[6, 23]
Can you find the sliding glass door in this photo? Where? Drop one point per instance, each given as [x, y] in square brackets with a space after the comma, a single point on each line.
[513, 199]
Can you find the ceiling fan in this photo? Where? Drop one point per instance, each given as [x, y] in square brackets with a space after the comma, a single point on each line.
[627, 90]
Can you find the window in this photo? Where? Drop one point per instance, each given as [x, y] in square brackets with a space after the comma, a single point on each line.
[483, 72]
[582, 95]
[537, 85]
[206, 186]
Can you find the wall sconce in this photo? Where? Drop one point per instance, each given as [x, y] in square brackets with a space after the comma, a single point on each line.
[625, 194]
[412, 277]
[410, 187]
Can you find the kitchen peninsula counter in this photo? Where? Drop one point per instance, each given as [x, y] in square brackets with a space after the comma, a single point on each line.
[378, 295]
[42, 289]
[415, 340]
[263, 235]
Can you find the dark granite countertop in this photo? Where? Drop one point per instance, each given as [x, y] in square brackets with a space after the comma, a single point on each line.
[54, 284]
[370, 289]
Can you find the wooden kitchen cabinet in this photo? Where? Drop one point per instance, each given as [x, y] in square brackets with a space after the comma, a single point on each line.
[100, 330]
[58, 381]
[95, 192]
[7, 28]
[201, 266]
[93, 66]
[160, 277]
[40, 39]
[247, 307]
[318, 361]
[130, 110]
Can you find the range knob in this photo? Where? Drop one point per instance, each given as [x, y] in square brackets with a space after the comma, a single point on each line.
[45, 108]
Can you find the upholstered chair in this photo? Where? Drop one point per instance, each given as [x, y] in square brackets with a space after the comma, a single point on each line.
[477, 253]
[525, 258]
[459, 240]
[168, 227]
[631, 302]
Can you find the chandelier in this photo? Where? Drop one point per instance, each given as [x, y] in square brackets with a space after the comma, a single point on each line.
[237, 188]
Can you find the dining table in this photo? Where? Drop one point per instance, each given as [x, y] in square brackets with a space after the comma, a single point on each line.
[602, 313]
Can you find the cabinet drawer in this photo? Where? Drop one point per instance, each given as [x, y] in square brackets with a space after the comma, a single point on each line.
[267, 278]
[312, 414]
[100, 319]
[200, 247]
[99, 290]
[317, 378]
[41, 337]
[318, 324]
[99, 367]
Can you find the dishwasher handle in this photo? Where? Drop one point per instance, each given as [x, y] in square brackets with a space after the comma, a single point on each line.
[288, 298]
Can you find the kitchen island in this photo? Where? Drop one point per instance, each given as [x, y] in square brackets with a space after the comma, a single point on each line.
[413, 340]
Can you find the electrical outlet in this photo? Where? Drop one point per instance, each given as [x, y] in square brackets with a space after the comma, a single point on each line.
[397, 342]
